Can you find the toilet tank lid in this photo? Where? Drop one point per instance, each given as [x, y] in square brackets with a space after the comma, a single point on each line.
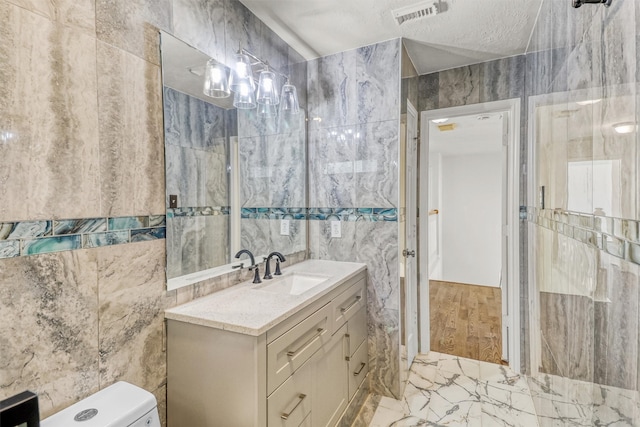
[120, 404]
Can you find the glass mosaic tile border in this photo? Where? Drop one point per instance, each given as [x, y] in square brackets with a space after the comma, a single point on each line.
[616, 236]
[22, 238]
[198, 211]
[323, 214]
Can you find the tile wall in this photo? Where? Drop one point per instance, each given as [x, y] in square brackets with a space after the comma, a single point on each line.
[354, 122]
[582, 78]
[81, 146]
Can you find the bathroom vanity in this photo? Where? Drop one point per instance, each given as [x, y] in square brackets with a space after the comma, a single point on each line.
[291, 351]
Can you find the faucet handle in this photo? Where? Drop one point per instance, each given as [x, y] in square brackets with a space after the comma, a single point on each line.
[278, 272]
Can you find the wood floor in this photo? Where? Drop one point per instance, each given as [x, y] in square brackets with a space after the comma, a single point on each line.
[466, 320]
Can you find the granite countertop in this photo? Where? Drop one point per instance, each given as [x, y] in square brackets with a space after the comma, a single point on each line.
[246, 309]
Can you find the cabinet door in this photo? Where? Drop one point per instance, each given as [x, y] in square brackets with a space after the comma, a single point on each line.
[291, 403]
[331, 385]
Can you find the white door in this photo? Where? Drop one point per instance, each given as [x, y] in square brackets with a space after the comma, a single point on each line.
[411, 234]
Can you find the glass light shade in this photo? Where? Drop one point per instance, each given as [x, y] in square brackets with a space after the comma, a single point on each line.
[267, 94]
[241, 75]
[289, 100]
[266, 110]
[244, 98]
[216, 80]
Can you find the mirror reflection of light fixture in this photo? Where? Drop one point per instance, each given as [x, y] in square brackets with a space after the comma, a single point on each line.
[216, 80]
[626, 127]
[289, 102]
[438, 121]
[244, 98]
[588, 102]
[267, 110]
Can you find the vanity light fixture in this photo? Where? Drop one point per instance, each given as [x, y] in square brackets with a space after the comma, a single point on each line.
[438, 121]
[247, 95]
[626, 127]
[267, 88]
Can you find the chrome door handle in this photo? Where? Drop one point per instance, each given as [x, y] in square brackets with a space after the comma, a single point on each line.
[407, 253]
[286, 415]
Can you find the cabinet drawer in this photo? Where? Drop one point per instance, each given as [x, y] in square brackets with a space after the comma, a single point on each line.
[290, 404]
[287, 353]
[356, 331]
[345, 305]
[306, 422]
[358, 368]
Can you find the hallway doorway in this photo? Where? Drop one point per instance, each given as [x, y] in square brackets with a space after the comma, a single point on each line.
[469, 236]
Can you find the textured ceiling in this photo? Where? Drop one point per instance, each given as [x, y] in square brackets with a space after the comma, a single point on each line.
[465, 32]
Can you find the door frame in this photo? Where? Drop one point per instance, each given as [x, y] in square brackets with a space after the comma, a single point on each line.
[513, 107]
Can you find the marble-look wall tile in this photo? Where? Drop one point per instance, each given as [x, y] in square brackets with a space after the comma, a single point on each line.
[132, 298]
[43, 76]
[295, 242]
[49, 338]
[287, 157]
[133, 25]
[202, 24]
[80, 15]
[193, 123]
[256, 236]
[567, 329]
[255, 171]
[131, 142]
[196, 243]
[332, 90]
[616, 323]
[378, 81]
[502, 79]
[243, 30]
[376, 165]
[459, 86]
[332, 167]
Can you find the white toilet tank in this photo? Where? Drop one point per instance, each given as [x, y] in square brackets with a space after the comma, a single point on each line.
[119, 405]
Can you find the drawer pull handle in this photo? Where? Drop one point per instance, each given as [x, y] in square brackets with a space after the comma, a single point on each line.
[345, 309]
[362, 365]
[348, 337]
[286, 415]
[319, 331]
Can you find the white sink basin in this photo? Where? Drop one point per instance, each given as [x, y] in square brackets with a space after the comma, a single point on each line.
[292, 284]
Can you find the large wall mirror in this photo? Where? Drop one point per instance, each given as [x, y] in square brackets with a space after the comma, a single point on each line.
[235, 178]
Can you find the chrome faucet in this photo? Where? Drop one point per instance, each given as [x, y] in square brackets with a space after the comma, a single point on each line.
[256, 276]
[267, 269]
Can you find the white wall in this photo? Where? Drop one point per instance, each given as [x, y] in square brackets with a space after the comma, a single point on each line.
[471, 218]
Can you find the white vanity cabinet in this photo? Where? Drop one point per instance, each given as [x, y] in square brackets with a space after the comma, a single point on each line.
[302, 371]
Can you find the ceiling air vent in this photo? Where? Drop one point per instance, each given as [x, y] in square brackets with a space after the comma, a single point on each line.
[415, 11]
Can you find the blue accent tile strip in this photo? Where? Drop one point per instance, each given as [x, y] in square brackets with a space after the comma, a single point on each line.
[51, 244]
[79, 226]
[197, 211]
[109, 238]
[323, 214]
[128, 222]
[145, 234]
[21, 238]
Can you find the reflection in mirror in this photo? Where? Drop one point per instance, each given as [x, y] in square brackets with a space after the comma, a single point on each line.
[199, 133]
[235, 178]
